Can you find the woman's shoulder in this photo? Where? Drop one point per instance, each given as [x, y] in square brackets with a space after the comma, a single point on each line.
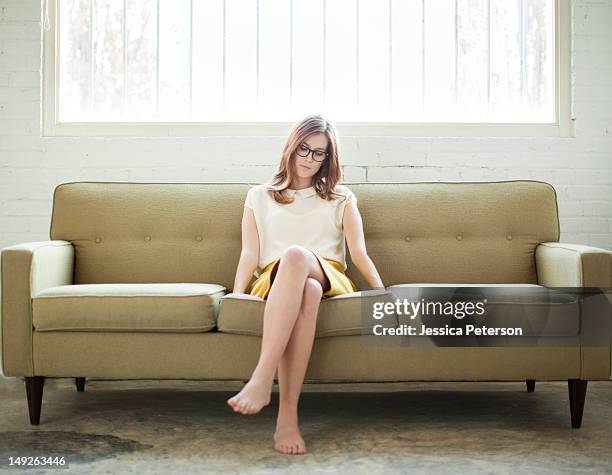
[346, 192]
[341, 189]
[258, 189]
[258, 193]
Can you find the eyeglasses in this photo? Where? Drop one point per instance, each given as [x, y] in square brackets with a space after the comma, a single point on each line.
[317, 155]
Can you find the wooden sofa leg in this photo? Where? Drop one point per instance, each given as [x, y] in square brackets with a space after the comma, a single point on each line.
[80, 384]
[530, 385]
[34, 392]
[577, 394]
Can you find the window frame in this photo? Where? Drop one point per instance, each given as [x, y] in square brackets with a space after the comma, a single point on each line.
[563, 126]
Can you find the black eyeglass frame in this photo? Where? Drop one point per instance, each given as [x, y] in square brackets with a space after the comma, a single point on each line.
[297, 150]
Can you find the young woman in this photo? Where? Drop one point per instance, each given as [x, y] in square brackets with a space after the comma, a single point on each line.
[293, 231]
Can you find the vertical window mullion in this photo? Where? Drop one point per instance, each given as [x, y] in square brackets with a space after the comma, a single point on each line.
[91, 53]
[224, 54]
[357, 51]
[157, 63]
[455, 91]
[324, 47]
[488, 58]
[257, 56]
[522, 40]
[190, 59]
[390, 52]
[125, 56]
[423, 56]
[290, 53]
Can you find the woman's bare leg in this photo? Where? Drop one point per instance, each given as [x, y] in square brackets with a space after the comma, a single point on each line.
[292, 369]
[280, 314]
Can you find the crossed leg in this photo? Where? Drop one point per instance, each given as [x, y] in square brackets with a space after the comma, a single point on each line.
[284, 303]
[292, 369]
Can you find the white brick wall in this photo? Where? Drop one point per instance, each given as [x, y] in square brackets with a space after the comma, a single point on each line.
[30, 167]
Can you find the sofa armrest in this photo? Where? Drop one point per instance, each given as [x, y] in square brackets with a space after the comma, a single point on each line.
[26, 269]
[577, 265]
[573, 265]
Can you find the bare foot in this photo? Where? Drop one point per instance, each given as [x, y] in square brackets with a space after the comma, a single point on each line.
[253, 396]
[288, 440]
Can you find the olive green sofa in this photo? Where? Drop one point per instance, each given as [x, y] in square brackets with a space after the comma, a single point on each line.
[135, 282]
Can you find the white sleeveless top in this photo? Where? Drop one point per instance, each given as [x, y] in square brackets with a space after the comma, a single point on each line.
[309, 221]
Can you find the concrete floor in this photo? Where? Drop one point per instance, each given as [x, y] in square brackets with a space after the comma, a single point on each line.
[186, 427]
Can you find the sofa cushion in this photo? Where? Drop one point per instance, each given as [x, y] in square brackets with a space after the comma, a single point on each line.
[343, 314]
[157, 307]
[538, 310]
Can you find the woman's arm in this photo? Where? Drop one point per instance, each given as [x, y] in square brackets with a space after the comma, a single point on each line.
[353, 230]
[249, 255]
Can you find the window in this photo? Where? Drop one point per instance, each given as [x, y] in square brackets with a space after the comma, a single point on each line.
[464, 67]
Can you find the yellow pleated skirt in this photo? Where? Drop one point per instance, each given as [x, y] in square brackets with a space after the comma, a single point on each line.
[340, 283]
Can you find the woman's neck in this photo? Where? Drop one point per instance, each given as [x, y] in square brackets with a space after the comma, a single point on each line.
[296, 185]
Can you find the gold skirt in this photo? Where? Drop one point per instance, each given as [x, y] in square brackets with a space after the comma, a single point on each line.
[340, 283]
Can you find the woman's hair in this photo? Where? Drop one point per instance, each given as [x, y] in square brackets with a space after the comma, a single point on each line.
[328, 175]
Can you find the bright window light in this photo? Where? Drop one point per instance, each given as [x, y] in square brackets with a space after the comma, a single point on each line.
[418, 61]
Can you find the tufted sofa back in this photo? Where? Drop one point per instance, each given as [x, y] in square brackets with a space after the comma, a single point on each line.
[455, 232]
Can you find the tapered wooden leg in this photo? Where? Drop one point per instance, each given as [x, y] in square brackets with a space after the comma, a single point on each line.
[34, 392]
[80, 384]
[577, 394]
[530, 385]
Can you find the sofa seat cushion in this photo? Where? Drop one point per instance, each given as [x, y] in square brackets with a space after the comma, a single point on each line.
[538, 310]
[340, 315]
[149, 307]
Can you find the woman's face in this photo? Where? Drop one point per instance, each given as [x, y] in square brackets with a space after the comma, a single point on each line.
[307, 167]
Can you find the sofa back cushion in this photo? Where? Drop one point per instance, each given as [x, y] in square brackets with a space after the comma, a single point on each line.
[455, 232]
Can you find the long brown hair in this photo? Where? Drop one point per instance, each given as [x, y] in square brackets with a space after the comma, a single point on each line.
[325, 180]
